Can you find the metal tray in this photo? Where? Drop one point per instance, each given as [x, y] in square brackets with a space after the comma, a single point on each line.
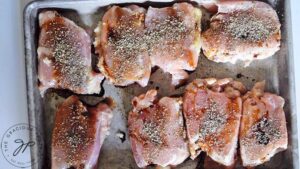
[115, 154]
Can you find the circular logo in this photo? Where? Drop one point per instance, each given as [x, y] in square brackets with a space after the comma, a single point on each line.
[16, 145]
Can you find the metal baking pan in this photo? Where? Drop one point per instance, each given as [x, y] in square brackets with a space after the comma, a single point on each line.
[116, 153]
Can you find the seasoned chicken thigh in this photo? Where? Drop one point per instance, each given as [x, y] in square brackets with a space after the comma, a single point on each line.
[78, 134]
[64, 55]
[120, 42]
[173, 36]
[242, 30]
[212, 110]
[263, 131]
[156, 130]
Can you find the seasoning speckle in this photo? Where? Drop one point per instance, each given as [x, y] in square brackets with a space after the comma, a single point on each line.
[71, 132]
[265, 131]
[69, 62]
[213, 120]
[128, 46]
[152, 131]
[249, 26]
[157, 129]
[166, 32]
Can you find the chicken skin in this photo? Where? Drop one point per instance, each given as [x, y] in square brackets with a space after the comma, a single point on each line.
[64, 56]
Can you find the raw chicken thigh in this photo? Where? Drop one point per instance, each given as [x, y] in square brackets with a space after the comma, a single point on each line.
[212, 109]
[156, 130]
[263, 131]
[242, 30]
[120, 42]
[174, 38]
[130, 41]
[64, 55]
[78, 134]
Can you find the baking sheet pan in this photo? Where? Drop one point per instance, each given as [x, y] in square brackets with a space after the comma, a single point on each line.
[116, 153]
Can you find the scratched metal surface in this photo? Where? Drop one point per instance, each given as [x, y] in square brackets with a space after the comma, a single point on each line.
[115, 153]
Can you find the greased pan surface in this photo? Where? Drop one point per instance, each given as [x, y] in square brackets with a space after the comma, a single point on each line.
[116, 153]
